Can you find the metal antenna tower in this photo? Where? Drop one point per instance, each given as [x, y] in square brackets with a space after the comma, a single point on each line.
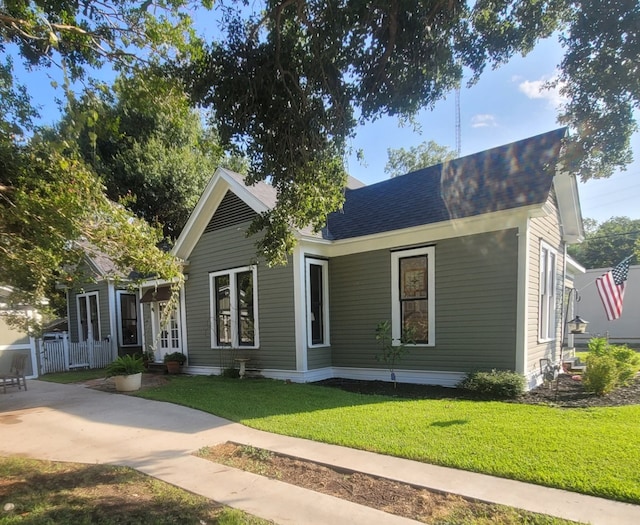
[458, 133]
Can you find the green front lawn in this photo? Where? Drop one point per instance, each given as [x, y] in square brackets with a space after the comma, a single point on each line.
[74, 376]
[594, 451]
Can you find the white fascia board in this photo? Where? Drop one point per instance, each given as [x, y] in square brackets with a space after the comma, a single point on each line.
[574, 266]
[194, 227]
[566, 187]
[522, 308]
[243, 193]
[489, 222]
[207, 205]
[151, 283]
[299, 301]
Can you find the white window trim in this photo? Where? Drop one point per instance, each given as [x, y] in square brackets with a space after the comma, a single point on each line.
[324, 264]
[396, 324]
[85, 296]
[551, 313]
[119, 294]
[235, 343]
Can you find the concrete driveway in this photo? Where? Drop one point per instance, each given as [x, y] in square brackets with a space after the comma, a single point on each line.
[75, 423]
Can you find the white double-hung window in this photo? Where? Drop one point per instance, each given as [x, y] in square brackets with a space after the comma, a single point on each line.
[234, 308]
[413, 295]
[548, 293]
[317, 298]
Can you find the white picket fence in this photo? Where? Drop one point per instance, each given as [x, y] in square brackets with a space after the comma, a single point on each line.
[61, 355]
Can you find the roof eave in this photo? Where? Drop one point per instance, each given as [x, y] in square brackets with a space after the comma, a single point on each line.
[209, 201]
[566, 187]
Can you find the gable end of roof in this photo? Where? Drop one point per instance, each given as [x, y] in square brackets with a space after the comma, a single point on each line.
[231, 211]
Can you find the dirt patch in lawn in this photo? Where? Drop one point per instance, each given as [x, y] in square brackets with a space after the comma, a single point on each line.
[149, 380]
[390, 496]
[34, 492]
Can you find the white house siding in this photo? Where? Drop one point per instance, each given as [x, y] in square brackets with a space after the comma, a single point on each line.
[10, 336]
[225, 249]
[625, 329]
[15, 341]
[475, 302]
[543, 229]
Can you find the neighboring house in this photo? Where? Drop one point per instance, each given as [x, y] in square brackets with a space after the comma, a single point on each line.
[470, 254]
[12, 340]
[625, 329]
[105, 309]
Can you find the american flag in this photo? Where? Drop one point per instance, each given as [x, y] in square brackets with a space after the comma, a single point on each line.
[611, 289]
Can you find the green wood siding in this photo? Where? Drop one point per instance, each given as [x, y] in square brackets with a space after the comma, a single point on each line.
[228, 248]
[476, 297]
[545, 229]
[318, 357]
[360, 291]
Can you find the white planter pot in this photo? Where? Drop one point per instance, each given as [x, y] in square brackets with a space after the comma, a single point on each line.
[129, 383]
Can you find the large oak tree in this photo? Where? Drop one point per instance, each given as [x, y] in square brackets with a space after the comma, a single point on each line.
[50, 197]
[289, 80]
[151, 149]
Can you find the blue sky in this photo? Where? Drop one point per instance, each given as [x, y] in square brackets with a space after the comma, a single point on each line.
[504, 106]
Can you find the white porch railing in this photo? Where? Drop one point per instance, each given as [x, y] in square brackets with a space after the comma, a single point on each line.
[61, 355]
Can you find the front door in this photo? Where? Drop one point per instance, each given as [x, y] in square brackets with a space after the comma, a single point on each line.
[167, 331]
[88, 317]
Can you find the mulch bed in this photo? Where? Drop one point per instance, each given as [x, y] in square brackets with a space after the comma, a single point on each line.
[569, 393]
[563, 392]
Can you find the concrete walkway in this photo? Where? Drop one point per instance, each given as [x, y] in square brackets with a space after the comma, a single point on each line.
[75, 423]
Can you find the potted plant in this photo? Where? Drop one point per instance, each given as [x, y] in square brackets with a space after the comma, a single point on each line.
[174, 361]
[127, 372]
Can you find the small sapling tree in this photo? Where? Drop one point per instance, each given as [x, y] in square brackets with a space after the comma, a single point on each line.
[391, 353]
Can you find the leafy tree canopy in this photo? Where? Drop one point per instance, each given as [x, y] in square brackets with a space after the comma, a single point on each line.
[147, 143]
[608, 243]
[290, 82]
[84, 33]
[290, 79]
[48, 200]
[423, 155]
[49, 196]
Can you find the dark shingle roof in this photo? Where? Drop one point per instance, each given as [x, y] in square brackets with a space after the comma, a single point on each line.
[502, 178]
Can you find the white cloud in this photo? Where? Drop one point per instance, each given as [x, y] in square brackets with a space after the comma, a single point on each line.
[483, 120]
[536, 89]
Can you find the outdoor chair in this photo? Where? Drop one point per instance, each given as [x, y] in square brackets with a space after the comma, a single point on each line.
[16, 372]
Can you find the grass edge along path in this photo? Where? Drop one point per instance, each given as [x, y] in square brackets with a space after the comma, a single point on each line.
[39, 491]
[74, 376]
[592, 451]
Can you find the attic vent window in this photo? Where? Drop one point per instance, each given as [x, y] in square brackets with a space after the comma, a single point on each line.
[230, 212]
